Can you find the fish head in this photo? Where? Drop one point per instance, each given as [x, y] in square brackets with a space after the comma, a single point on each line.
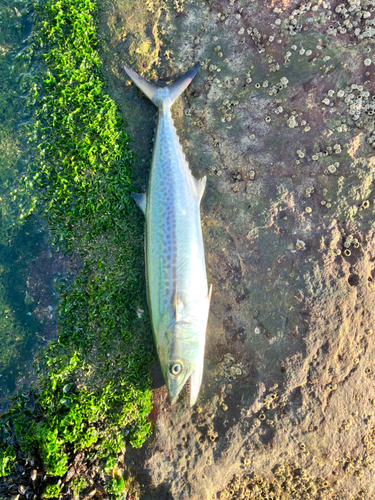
[183, 362]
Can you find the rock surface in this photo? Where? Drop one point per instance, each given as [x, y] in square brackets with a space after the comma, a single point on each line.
[281, 119]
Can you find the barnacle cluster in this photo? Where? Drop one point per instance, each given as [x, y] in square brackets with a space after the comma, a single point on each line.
[360, 106]
[212, 434]
[268, 399]
[288, 481]
[354, 17]
[177, 5]
[348, 242]
[229, 369]
[345, 425]
[333, 167]
[257, 39]
[227, 109]
[328, 151]
[292, 122]
[331, 387]
[281, 85]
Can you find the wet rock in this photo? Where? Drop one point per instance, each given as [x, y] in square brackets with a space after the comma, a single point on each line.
[275, 95]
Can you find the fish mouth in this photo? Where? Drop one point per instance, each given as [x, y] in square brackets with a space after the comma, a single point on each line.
[184, 386]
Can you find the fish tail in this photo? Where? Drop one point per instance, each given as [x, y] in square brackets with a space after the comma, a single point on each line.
[147, 88]
[169, 94]
[176, 89]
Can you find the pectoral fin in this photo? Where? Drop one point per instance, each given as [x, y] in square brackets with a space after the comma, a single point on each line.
[177, 305]
[140, 200]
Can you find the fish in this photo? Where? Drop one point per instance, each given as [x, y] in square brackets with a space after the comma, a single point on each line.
[176, 283]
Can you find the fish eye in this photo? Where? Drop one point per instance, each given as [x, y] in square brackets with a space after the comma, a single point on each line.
[176, 368]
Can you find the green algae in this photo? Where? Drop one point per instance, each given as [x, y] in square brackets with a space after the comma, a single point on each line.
[20, 329]
[52, 491]
[93, 391]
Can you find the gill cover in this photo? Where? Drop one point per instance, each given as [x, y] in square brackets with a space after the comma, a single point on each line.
[184, 361]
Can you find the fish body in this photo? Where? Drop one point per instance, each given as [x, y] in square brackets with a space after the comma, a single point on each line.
[177, 291]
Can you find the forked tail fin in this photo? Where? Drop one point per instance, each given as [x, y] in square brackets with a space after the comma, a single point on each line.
[169, 94]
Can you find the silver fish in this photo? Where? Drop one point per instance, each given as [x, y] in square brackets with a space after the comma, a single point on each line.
[177, 291]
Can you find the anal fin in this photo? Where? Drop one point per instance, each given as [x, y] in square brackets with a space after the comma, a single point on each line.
[200, 187]
[209, 294]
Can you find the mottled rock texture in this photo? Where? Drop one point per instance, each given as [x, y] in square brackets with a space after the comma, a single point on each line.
[281, 119]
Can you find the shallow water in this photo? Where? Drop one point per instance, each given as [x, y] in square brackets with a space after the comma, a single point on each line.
[26, 302]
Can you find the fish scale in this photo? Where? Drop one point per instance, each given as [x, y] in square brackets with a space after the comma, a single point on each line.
[178, 296]
[175, 244]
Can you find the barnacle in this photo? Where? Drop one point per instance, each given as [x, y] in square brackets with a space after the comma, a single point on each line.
[332, 169]
[292, 122]
[284, 81]
[300, 245]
